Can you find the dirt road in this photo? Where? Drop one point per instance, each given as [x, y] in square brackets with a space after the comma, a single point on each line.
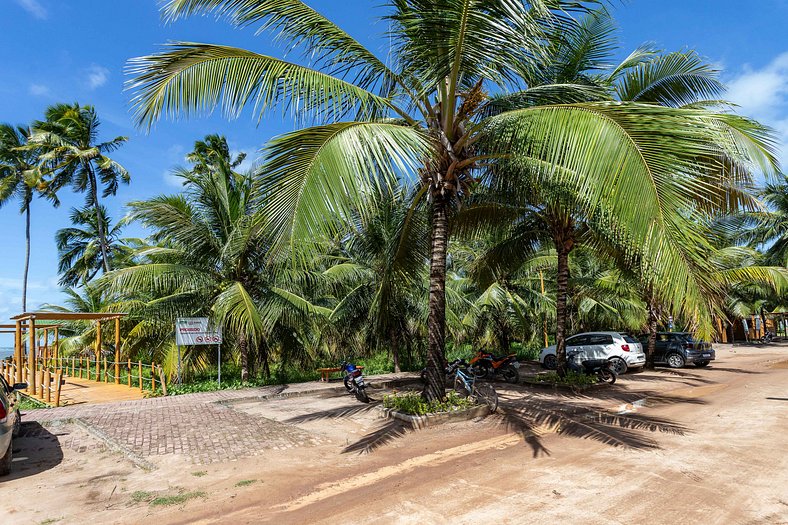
[694, 446]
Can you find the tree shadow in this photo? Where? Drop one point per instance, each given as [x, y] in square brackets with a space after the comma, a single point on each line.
[333, 413]
[734, 370]
[562, 416]
[36, 450]
[387, 432]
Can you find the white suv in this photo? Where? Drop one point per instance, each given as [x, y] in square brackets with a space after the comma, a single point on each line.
[622, 350]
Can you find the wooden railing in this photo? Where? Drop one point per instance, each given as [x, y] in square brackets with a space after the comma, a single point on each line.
[51, 373]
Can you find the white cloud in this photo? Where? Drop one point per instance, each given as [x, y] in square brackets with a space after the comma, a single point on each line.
[172, 180]
[97, 76]
[34, 8]
[38, 90]
[763, 95]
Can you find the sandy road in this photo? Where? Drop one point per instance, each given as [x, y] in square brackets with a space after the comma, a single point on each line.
[698, 446]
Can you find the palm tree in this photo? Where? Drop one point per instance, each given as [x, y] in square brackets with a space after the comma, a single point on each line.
[208, 260]
[21, 178]
[68, 141]
[377, 272]
[422, 117]
[80, 257]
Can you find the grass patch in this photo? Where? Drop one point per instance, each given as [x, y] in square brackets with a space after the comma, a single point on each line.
[176, 500]
[200, 473]
[412, 403]
[28, 403]
[49, 521]
[570, 379]
[140, 496]
[245, 482]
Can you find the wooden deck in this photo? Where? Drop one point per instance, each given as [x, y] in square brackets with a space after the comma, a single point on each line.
[83, 391]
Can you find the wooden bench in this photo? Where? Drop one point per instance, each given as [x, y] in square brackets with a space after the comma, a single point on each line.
[325, 373]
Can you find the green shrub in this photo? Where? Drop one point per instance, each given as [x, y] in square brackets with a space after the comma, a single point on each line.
[571, 378]
[412, 403]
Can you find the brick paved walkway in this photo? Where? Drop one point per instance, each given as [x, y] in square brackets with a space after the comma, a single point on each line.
[203, 427]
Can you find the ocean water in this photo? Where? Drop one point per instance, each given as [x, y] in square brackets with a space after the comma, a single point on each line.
[6, 352]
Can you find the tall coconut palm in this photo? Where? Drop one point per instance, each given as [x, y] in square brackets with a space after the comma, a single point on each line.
[21, 178]
[80, 257]
[419, 115]
[68, 139]
[209, 260]
[379, 270]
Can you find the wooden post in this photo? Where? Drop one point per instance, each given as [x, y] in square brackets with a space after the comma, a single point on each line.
[57, 346]
[117, 350]
[129, 377]
[161, 380]
[40, 374]
[153, 376]
[106, 372]
[48, 383]
[31, 328]
[18, 351]
[140, 370]
[46, 347]
[58, 381]
[98, 350]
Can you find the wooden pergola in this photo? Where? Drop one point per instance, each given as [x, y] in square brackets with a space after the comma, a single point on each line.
[28, 322]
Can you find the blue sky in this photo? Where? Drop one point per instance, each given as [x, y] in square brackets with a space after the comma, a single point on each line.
[75, 51]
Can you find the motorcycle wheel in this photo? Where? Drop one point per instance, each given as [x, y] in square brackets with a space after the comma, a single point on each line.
[607, 376]
[346, 380]
[361, 395]
[510, 374]
[482, 372]
[486, 393]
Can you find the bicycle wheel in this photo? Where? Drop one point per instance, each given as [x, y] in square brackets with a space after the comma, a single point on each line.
[485, 392]
[459, 387]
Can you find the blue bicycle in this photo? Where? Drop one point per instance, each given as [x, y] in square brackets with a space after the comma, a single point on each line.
[467, 385]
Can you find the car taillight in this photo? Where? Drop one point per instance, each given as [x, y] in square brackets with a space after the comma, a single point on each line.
[689, 346]
[625, 348]
[3, 413]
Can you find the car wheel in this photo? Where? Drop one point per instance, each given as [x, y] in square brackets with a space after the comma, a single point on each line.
[675, 361]
[5, 461]
[550, 362]
[701, 364]
[618, 365]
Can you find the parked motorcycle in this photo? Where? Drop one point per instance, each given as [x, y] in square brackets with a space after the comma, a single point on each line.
[767, 337]
[489, 366]
[602, 368]
[354, 381]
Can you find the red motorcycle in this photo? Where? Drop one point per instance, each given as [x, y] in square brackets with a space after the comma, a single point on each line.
[487, 365]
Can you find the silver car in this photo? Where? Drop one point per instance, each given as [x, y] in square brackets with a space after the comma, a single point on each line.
[10, 422]
[622, 350]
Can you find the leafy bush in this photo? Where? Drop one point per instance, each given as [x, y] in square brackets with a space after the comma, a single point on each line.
[571, 378]
[412, 403]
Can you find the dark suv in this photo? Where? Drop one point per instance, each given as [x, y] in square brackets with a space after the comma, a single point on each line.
[677, 349]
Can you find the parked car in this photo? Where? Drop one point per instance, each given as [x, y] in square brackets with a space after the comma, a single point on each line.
[677, 349]
[10, 423]
[622, 350]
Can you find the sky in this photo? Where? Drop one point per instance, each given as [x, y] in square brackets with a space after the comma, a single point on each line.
[76, 50]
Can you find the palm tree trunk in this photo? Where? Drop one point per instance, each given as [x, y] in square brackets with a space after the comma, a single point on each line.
[560, 304]
[27, 257]
[653, 317]
[243, 347]
[435, 388]
[395, 351]
[99, 222]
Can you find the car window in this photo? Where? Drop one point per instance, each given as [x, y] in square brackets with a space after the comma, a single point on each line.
[577, 340]
[600, 339]
[629, 339]
[664, 338]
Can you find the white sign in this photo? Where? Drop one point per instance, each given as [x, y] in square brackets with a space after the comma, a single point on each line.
[195, 331]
